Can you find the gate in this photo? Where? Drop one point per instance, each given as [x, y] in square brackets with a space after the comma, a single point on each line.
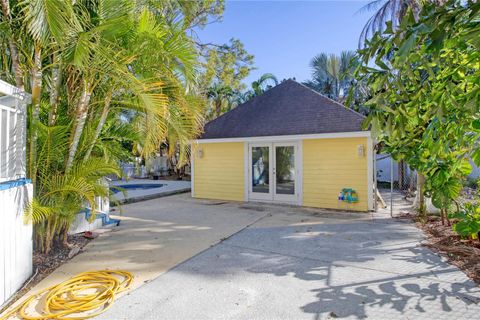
[396, 183]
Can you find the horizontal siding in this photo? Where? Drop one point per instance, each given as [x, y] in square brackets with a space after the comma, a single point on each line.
[219, 173]
[330, 165]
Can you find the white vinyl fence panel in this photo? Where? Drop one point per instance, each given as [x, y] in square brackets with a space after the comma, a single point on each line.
[15, 192]
[384, 165]
[15, 241]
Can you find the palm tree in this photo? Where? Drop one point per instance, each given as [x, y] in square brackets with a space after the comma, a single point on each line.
[242, 97]
[332, 75]
[219, 96]
[393, 11]
[265, 82]
[85, 63]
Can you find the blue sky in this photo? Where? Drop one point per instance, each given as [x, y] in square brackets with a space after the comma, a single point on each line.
[284, 35]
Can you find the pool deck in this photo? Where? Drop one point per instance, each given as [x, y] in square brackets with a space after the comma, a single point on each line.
[169, 187]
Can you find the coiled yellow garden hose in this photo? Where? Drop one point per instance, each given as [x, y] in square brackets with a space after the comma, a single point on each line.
[83, 296]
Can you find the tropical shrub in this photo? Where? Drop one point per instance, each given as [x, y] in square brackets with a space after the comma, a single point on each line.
[468, 224]
[423, 80]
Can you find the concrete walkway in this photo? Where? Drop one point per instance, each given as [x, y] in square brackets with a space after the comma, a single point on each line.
[396, 202]
[154, 236]
[297, 263]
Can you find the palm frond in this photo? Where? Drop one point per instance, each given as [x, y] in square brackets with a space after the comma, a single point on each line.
[35, 212]
[49, 18]
[392, 11]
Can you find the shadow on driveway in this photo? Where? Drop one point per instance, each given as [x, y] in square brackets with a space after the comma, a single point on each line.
[293, 264]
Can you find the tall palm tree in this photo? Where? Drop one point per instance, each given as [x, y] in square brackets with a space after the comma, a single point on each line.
[332, 75]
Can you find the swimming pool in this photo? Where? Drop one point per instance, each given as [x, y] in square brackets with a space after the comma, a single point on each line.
[138, 186]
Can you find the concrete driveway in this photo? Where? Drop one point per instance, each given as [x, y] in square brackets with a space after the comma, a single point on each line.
[155, 236]
[295, 263]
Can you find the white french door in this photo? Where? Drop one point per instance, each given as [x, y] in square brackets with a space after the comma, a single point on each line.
[274, 172]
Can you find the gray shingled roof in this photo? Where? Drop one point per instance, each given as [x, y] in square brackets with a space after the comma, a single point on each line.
[287, 109]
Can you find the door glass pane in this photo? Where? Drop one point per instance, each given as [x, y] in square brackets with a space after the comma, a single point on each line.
[285, 170]
[260, 170]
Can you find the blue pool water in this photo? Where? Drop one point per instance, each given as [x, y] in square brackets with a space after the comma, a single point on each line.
[139, 186]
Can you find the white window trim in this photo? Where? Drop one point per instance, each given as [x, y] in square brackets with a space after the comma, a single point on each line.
[355, 134]
[298, 144]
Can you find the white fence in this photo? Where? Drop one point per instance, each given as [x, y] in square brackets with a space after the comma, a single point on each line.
[15, 192]
[15, 239]
[384, 167]
[12, 132]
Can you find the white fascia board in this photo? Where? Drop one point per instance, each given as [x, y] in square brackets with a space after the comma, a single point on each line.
[355, 134]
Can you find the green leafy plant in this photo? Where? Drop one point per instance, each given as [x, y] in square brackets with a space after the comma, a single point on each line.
[423, 87]
[468, 221]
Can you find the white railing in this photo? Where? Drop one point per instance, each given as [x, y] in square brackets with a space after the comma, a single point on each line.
[12, 132]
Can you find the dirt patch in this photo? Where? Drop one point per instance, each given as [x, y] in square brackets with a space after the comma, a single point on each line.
[44, 264]
[465, 254]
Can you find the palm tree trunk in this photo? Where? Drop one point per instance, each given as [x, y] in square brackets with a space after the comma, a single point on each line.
[54, 90]
[337, 90]
[218, 107]
[101, 123]
[82, 112]
[13, 47]
[64, 236]
[49, 234]
[36, 97]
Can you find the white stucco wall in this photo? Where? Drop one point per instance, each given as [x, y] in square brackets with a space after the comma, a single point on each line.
[81, 224]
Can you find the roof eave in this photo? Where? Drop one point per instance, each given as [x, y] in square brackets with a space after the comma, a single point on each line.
[333, 135]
